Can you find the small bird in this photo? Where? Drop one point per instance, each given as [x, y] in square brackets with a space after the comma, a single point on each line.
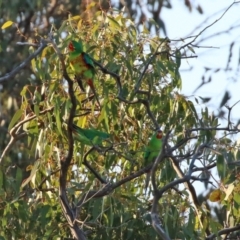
[151, 151]
[82, 65]
[89, 136]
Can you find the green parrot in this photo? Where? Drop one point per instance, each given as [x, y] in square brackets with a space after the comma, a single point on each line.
[82, 65]
[89, 136]
[151, 152]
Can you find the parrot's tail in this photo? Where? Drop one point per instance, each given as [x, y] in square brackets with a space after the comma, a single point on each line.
[90, 84]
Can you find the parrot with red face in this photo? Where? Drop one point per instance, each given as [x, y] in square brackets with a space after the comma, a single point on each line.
[82, 65]
[151, 151]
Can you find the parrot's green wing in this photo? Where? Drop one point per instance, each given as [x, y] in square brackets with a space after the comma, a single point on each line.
[152, 150]
[89, 136]
[88, 61]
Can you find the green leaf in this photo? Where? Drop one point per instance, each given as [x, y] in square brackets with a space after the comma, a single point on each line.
[18, 180]
[225, 99]
[1, 181]
[236, 198]
[36, 109]
[215, 226]
[221, 167]
[15, 118]
[57, 114]
[178, 58]
[44, 212]
[114, 25]
[191, 49]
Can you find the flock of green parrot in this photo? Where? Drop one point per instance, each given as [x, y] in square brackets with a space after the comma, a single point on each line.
[83, 66]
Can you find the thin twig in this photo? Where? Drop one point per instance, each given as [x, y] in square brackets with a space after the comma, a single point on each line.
[210, 25]
[116, 76]
[95, 173]
[138, 84]
[13, 132]
[223, 231]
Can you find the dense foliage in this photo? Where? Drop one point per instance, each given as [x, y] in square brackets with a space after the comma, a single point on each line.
[53, 186]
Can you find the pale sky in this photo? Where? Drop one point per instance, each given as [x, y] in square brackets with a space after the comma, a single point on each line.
[180, 23]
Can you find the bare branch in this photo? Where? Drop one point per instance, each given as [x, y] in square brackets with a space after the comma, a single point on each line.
[106, 71]
[189, 187]
[222, 232]
[111, 186]
[13, 132]
[210, 25]
[95, 173]
[138, 84]
[157, 224]
[147, 106]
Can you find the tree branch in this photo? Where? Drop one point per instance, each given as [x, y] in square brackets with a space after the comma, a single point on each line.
[95, 173]
[116, 76]
[210, 25]
[223, 231]
[13, 132]
[138, 84]
[68, 212]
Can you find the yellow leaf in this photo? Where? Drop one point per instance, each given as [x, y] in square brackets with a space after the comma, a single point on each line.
[75, 18]
[91, 5]
[229, 191]
[7, 24]
[29, 167]
[32, 174]
[215, 195]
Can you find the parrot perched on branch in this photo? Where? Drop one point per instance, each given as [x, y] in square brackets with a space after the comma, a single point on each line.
[89, 136]
[82, 65]
[151, 151]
